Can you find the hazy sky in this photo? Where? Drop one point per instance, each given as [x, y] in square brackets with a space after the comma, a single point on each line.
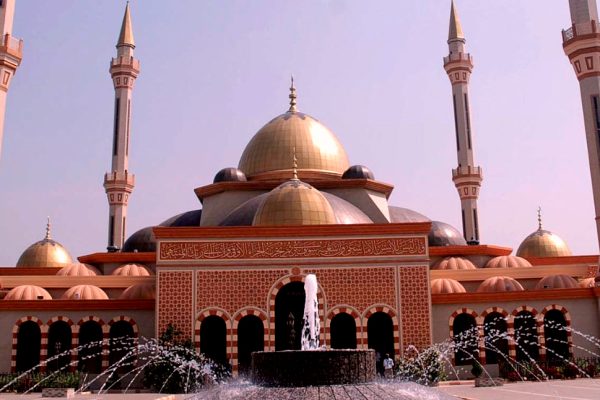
[214, 72]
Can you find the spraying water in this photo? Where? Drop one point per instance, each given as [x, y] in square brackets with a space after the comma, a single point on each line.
[312, 326]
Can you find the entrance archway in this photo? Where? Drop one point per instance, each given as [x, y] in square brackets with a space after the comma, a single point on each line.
[289, 311]
[251, 337]
[122, 346]
[380, 335]
[213, 339]
[29, 341]
[555, 332]
[496, 342]
[526, 337]
[90, 347]
[466, 338]
[59, 344]
[343, 331]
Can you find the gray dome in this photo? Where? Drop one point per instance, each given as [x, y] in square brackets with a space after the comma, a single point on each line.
[399, 214]
[230, 175]
[141, 241]
[188, 218]
[345, 213]
[358, 172]
[443, 234]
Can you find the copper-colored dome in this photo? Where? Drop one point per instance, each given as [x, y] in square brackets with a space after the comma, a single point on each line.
[85, 292]
[146, 291]
[508, 262]
[443, 286]
[28, 292]
[133, 270]
[557, 282]
[294, 203]
[79, 269]
[316, 147]
[500, 284]
[45, 253]
[454, 263]
[543, 243]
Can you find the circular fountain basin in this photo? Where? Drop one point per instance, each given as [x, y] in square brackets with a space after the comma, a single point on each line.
[312, 367]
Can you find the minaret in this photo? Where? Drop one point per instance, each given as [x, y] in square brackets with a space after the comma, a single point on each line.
[119, 183]
[466, 177]
[581, 43]
[11, 53]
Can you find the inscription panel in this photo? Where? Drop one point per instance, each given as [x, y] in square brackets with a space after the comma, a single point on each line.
[282, 249]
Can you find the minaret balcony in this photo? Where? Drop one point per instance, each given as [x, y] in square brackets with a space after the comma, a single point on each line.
[578, 30]
[118, 179]
[458, 57]
[12, 46]
[125, 65]
[467, 173]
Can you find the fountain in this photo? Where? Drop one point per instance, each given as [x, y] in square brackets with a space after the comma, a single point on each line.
[312, 365]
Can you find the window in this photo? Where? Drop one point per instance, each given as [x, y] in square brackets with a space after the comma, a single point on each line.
[468, 120]
[116, 128]
[455, 123]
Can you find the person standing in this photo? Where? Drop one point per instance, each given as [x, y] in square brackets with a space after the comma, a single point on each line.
[388, 366]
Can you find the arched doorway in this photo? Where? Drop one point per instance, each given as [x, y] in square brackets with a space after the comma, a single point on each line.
[466, 337]
[213, 338]
[59, 346]
[526, 337]
[380, 335]
[251, 337]
[29, 341]
[555, 332]
[496, 341]
[289, 312]
[343, 332]
[90, 347]
[122, 345]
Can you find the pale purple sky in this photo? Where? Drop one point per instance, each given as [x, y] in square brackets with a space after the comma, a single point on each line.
[214, 72]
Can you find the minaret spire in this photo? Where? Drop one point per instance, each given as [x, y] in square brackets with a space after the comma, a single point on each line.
[11, 54]
[466, 176]
[581, 43]
[539, 212]
[126, 35]
[119, 183]
[455, 32]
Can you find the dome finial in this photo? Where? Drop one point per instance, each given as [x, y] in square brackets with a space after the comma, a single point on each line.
[48, 229]
[295, 166]
[539, 212]
[292, 96]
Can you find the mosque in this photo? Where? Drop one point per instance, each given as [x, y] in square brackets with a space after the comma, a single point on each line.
[229, 275]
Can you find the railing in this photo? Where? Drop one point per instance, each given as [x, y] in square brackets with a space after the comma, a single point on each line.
[458, 57]
[126, 60]
[468, 170]
[583, 28]
[12, 44]
[117, 176]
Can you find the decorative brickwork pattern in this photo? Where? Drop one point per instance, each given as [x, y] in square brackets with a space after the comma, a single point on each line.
[281, 249]
[235, 290]
[175, 296]
[415, 306]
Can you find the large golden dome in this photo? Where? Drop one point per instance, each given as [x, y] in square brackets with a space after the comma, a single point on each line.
[294, 203]
[45, 253]
[270, 150]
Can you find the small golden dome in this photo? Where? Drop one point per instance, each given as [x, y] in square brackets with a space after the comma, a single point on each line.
[543, 243]
[79, 269]
[85, 292]
[145, 291]
[443, 286]
[500, 284]
[317, 147]
[133, 270]
[28, 292]
[294, 203]
[508, 262]
[45, 253]
[557, 282]
[454, 263]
